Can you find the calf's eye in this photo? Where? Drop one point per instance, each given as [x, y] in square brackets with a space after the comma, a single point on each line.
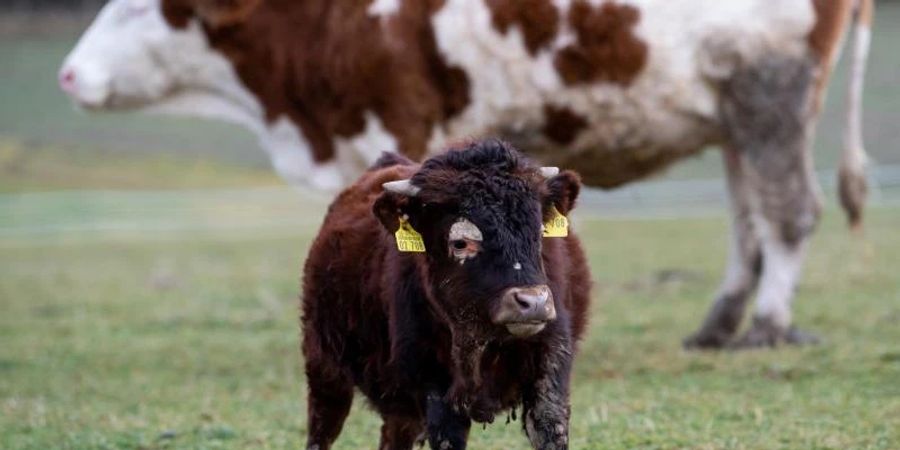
[464, 249]
[464, 240]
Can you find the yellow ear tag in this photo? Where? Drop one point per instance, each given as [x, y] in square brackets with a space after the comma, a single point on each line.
[557, 226]
[408, 239]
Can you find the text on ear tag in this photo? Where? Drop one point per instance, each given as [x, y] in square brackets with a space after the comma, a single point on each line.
[408, 239]
[557, 226]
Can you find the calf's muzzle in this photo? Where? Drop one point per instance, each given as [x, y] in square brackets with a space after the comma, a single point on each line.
[524, 311]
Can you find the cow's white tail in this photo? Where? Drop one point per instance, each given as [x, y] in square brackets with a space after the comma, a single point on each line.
[852, 185]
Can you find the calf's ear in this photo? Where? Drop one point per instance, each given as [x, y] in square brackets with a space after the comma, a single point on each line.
[562, 191]
[388, 208]
[397, 201]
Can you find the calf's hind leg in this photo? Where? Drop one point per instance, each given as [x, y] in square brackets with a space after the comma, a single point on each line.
[767, 110]
[399, 433]
[330, 398]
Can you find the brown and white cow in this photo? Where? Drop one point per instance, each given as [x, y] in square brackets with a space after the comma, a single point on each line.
[618, 89]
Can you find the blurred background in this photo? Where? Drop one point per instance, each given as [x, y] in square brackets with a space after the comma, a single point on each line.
[149, 270]
[42, 134]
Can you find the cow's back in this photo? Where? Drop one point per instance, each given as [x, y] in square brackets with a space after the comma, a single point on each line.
[643, 97]
[618, 88]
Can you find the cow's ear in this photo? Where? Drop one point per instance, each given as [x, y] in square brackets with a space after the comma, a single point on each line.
[223, 13]
[562, 191]
[389, 207]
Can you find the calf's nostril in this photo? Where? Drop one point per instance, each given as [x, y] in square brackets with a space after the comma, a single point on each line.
[524, 302]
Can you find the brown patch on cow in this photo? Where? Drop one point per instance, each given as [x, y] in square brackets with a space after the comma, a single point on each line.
[561, 124]
[865, 11]
[831, 20]
[176, 12]
[607, 49]
[610, 169]
[538, 20]
[427, 89]
[214, 13]
[325, 64]
[221, 13]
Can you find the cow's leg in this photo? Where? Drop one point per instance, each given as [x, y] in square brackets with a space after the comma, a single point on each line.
[330, 398]
[545, 405]
[767, 111]
[782, 263]
[447, 428]
[744, 264]
[399, 433]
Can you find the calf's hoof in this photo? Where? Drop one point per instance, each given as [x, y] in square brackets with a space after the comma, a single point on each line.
[764, 333]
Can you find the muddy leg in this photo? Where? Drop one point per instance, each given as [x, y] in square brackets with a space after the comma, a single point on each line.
[772, 321]
[447, 428]
[399, 433]
[545, 405]
[744, 264]
[767, 110]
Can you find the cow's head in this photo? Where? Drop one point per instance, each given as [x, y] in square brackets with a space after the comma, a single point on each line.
[138, 53]
[480, 210]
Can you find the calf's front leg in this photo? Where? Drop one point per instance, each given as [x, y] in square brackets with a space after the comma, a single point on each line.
[448, 428]
[546, 403]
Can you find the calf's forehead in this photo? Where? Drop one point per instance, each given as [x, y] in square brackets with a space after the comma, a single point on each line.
[508, 211]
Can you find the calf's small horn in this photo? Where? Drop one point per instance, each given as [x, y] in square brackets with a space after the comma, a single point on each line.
[402, 187]
[549, 172]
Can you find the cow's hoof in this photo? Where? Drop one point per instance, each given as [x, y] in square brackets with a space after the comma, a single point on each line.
[800, 337]
[705, 339]
[764, 333]
[755, 339]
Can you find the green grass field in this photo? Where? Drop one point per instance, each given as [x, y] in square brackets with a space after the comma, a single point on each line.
[189, 339]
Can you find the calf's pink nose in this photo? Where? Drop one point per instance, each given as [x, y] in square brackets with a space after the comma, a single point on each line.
[67, 80]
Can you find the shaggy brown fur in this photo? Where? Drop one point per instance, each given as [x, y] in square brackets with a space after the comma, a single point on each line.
[412, 331]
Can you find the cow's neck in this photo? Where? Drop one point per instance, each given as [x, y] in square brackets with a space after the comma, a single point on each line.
[349, 96]
[209, 105]
[207, 84]
[282, 139]
[209, 87]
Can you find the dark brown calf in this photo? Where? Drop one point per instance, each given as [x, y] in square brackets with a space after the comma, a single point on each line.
[484, 320]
